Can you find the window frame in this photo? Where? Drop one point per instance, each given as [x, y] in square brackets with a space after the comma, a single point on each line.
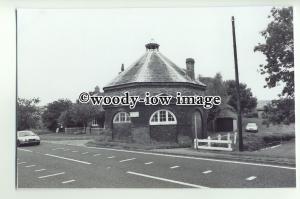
[117, 118]
[166, 117]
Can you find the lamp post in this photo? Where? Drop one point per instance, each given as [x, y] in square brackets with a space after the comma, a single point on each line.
[237, 85]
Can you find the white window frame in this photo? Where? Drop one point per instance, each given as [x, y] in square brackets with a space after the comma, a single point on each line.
[117, 118]
[167, 122]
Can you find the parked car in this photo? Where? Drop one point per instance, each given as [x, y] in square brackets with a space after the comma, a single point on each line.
[252, 127]
[27, 137]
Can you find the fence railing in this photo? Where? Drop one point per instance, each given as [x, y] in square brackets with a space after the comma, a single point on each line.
[211, 142]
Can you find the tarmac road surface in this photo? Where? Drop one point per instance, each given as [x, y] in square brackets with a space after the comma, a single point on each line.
[52, 165]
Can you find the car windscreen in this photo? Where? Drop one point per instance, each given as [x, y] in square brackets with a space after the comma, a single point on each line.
[25, 133]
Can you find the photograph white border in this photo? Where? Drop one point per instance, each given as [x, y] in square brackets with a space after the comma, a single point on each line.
[8, 104]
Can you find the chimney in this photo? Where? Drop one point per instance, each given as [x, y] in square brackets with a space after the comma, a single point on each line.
[190, 68]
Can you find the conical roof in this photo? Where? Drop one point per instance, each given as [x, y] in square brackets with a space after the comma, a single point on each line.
[152, 67]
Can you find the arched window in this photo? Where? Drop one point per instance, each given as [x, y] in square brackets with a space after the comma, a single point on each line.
[121, 117]
[163, 117]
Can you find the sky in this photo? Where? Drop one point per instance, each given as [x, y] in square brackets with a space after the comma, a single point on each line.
[63, 52]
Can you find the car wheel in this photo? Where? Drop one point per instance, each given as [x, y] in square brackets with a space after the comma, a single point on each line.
[18, 143]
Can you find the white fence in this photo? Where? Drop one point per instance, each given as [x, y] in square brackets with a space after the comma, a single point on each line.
[210, 142]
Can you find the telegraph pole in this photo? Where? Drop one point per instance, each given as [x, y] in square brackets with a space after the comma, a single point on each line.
[237, 85]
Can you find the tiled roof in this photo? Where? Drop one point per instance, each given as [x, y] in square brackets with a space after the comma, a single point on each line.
[153, 66]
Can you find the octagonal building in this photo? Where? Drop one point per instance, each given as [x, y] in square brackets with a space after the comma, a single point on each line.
[156, 74]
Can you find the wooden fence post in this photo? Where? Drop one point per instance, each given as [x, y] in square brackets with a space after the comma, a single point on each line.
[219, 137]
[229, 141]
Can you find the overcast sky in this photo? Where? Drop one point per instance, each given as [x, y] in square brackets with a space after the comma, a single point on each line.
[62, 53]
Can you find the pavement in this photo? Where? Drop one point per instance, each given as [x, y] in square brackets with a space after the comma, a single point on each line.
[66, 165]
[282, 154]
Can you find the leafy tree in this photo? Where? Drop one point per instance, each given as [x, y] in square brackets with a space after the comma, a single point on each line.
[81, 115]
[214, 87]
[279, 50]
[53, 111]
[280, 111]
[28, 113]
[248, 102]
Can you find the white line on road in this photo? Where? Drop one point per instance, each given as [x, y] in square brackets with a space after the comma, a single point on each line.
[25, 150]
[111, 157]
[84, 153]
[148, 162]
[55, 174]
[38, 170]
[68, 181]
[166, 180]
[21, 162]
[74, 151]
[33, 165]
[251, 178]
[206, 172]
[67, 150]
[97, 154]
[194, 158]
[126, 160]
[68, 159]
[57, 149]
[174, 167]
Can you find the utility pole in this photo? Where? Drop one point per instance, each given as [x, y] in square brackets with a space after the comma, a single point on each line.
[237, 85]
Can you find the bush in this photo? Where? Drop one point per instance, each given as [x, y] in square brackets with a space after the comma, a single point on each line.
[251, 115]
[278, 138]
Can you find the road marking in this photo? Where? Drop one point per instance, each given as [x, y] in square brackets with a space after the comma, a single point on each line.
[67, 150]
[21, 162]
[111, 157]
[194, 158]
[68, 181]
[97, 154]
[68, 159]
[84, 153]
[148, 162]
[165, 179]
[251, 178]
[38, 170]
[206, 172]
[33, 165]
[74, 151]
[25, 150]
[126, 160]
[57, 149]
[55, 174]
[108, 167]
[174, 167]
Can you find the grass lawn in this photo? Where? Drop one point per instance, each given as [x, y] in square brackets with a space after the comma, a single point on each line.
[267, 136]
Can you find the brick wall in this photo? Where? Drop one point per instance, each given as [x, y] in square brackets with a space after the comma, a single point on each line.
[140, 128]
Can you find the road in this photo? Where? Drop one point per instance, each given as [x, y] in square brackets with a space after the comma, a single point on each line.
[52, 165]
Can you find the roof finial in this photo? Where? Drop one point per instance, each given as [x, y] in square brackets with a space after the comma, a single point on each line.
[152, 45]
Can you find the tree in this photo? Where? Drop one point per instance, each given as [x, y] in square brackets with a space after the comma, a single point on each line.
[214, 87]
[279, 51]
[28, 113]
[81, 115]
[248, 102]
[53, 111]
[280, 111]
